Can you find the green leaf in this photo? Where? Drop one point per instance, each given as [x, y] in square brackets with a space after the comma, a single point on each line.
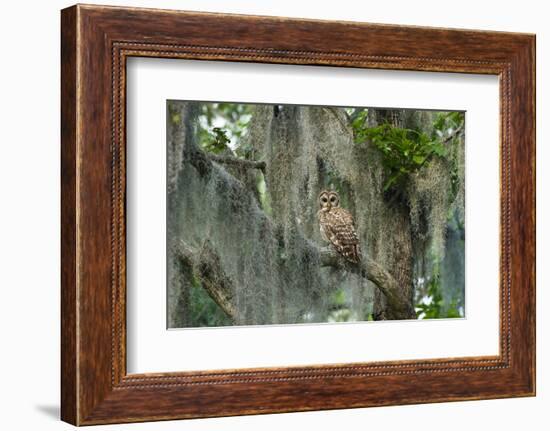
[390, 182]
[419, 159]
[404, 150]
[440, 150]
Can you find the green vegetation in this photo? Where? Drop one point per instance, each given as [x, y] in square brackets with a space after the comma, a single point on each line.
[223, 125]
[432, 305]
[215, 141]
[404, 150]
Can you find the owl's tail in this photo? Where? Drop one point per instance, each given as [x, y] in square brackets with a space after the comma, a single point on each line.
[351, 252]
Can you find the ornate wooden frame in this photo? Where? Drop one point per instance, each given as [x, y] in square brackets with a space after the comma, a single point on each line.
[95, 43]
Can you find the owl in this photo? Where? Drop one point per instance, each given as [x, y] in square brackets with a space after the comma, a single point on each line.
[336, 225]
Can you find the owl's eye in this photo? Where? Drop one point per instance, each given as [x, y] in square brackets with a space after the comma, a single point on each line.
[333, 199]
[324, 200]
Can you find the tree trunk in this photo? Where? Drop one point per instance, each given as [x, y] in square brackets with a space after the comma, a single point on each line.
[398, 258]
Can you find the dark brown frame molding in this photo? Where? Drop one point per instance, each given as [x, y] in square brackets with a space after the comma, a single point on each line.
[95, 43]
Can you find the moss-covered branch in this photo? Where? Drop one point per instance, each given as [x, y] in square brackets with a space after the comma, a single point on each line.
[235, 161]
[371, 270]
[205, 265]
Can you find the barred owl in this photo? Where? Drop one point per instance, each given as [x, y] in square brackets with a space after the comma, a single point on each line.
[336, 225]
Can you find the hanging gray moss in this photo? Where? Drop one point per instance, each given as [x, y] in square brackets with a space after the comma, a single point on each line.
[429, 200]
[215, 207]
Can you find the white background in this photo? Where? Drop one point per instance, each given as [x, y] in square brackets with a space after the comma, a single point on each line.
[29, 216]
[151, 348]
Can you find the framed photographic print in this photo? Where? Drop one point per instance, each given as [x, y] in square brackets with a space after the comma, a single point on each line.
[265, 215]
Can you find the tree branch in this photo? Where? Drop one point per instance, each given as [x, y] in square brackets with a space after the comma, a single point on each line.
[235, 161]
[334, 113]
[206, 266]
[455, 133]
[372, 271]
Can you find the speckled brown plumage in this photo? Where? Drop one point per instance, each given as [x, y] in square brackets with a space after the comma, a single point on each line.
[337, 226]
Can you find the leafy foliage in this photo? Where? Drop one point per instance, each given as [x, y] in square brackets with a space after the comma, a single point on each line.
[447, 122]
[229, 119]
[432, 305]
[404, 150]
[215, 141]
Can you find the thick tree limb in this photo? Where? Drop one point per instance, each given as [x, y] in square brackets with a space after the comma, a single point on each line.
[205, 264]
[374, 272]
[345, 126]
[235, 161]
